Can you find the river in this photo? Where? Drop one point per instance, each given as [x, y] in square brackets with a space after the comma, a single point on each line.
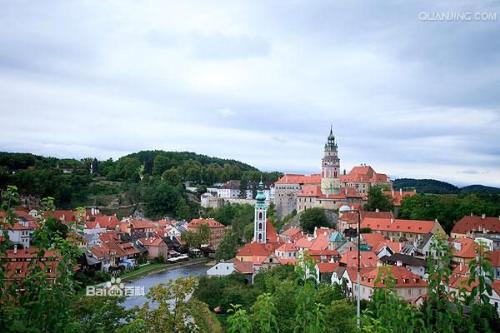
[162, 277]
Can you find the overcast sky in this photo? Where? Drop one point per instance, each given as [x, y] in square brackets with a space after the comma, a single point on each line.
[257, 81]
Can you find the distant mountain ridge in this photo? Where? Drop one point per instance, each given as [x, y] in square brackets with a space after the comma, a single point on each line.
[439, 187]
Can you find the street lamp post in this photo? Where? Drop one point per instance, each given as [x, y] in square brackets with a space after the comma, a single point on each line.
[344, 209]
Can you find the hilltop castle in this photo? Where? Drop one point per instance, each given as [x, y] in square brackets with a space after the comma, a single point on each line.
[329, 189]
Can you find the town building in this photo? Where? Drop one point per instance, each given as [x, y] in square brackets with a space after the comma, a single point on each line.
[467, 226]
[363, 177]
[402, 230]
[217, 230]
[287, 188]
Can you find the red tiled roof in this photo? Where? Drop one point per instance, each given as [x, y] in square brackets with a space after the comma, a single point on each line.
[256, 249]
[368, 259]
[152, 241]
[304, 242]
[243, 267]
[404, 278]
[20, 269]
[287, 247]
[364, 174]
[496, 286]
[290, 232]
[327, 267]
[466, 248]
[142, 224]
[29, 253]
[105, 221]
[109, 236]
[195, 223]
[495, 258]
[380, 215]
[397, 225]
[287, 261]
[299, 179]
[476, 223]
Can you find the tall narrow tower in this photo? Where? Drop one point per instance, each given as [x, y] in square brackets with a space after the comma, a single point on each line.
[330, 167]
[259, 234]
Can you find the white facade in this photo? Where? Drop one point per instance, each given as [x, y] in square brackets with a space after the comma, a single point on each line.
[221, 269]
[228, 193]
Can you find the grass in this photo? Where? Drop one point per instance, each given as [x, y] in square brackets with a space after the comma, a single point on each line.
[143, 270]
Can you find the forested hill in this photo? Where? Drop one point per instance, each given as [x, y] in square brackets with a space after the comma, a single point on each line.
[153, 179]
[440, 187]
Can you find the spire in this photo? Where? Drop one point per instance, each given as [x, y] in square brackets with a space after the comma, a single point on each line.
[261, 197]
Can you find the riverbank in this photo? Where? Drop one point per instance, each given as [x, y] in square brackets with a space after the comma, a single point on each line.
[157, 268]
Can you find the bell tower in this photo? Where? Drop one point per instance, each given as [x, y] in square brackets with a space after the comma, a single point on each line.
[259, 234]
[330, 167]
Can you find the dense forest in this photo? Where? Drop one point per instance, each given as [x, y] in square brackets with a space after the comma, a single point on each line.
[152, 180]
[438, 187]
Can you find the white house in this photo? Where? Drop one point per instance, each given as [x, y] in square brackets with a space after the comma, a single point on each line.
[221, 269]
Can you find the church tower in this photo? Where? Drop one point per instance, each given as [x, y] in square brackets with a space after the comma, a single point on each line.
[259, 234]
[330, 167]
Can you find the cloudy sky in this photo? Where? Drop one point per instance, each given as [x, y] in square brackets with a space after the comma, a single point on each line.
[257, 81]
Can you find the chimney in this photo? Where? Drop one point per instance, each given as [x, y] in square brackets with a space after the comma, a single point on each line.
[483, 216]
[460, 266]
[377, 210]
[399, 263]
[401, 191]
[392, 192]
[392, 220]
[15, 248]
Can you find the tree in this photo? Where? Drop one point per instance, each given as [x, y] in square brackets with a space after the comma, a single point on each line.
[239, 321]
[264, 314]
[378, 200]
[313, 217]
[227, 247]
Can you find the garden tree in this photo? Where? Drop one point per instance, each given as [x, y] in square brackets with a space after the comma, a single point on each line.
[231, 171]
[239, 321]
[313, 217]
[243, 188]
[343, 314]
[43, 305]
[264, 314]
[378, 200]
[228, 246]
[10, 200]
[99, 314]
[172, 310]
[387, 308]
[196, 238]
[309, 315]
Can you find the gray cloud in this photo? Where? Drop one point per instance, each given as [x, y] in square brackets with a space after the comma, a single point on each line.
[260, 82]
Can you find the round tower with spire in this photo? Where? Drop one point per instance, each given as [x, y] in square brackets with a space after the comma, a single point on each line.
[330, 167]
[259, 234]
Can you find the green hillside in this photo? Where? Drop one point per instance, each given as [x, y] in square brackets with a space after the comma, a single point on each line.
[439, 187]
[150, 180]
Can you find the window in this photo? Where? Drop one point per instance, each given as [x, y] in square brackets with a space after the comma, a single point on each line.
[260, 236]
[260, 215]
[260, 226]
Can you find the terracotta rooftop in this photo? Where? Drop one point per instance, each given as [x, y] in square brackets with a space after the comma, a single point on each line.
[364, 174]
[398, 225]
[477, 224]
[403, 277]
[368, 259]
[327, 267]
[300, 179]
[195, 223]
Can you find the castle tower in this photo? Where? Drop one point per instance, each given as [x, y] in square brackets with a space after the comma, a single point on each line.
[330, 167]
[259, 234]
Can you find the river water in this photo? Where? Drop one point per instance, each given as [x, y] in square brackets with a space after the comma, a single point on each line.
[162, 277]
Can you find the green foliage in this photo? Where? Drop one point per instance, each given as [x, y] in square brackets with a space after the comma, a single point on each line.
[195, 239]
[378, 200]
[264, 314]
[313, 217]
[448, 209]
[239, 322]
[228, 247]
